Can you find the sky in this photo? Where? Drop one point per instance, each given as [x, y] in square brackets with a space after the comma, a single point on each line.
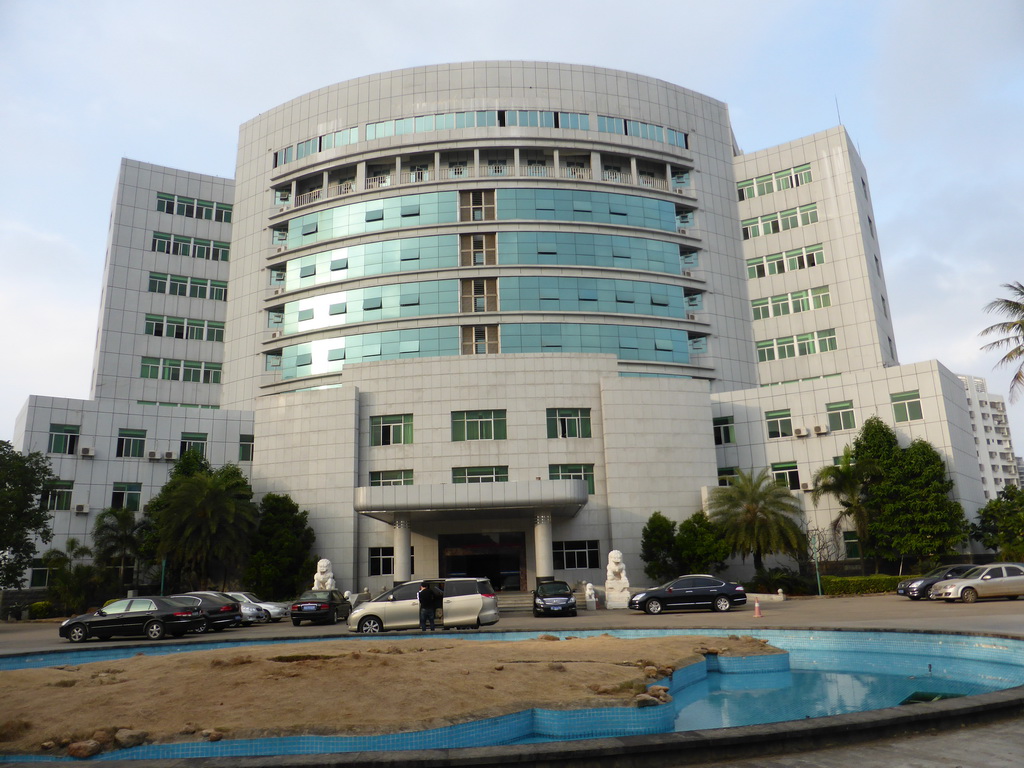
[931, 92]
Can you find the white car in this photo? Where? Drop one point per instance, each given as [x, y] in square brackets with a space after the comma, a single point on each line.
[276, 611]
[466, 602]
[993, 580]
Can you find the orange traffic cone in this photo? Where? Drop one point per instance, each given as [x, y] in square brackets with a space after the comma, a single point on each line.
[757, 609]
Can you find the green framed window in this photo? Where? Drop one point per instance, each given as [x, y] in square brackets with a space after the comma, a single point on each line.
[192, 441]
[780, 305]
[755, 268]
[157, 282]
[745, 190]
[161, 242]
[750, 228]
[192, 370]
[568, 422]
[150, 368]
[214, 331]
[56, 495]
[808, 214]
[204, 210]
[480, 474]
[63, 439]
[246, 447]
[164, 203]
[800, 301]
[170, 370]
[775, 263]
[785, 347]
[789, 219]
[391, 477]
[211, 373]
[223, 213]
[573, 472]
[726, 475]
[805, 344]
[391, 430]
[906, 406]
[759, 309]
[827, 340]
[851, 544]
[724, 430]
[765, 185]
[478, 425]
[820, 297]
[841, 416]
[126, 496]
[786, 474]
[131, 443]
[779, 423]
[765, 351]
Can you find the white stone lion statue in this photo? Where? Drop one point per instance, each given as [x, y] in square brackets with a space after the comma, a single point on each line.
[324, 576]
[616, 586]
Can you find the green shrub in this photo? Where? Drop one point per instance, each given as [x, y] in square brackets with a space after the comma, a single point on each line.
[41, 610]
[859, 585]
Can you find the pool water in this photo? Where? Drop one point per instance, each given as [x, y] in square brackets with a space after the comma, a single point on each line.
[823, 673]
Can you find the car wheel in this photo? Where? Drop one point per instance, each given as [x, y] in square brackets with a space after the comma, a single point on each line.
[969, 595]
[721, 604]
[154, 630]
[296, 622]
[78, 633]
[202, 627]
[653, 607]
[371, 625]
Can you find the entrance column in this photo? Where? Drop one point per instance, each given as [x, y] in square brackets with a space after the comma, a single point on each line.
[402, 547]
[542, 548]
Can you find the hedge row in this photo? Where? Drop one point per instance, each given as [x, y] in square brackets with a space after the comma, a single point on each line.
[859, 585]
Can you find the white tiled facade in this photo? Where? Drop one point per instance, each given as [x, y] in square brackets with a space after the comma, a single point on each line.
[482, 317]
[162, 311]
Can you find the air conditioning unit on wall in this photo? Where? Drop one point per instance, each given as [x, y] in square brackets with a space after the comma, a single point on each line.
[169, 456]
[87, 452]
[81, 509]
[153, 455]
[800, 432]
[820, 429]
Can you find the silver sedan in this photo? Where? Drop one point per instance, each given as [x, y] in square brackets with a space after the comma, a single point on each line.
[993, 580]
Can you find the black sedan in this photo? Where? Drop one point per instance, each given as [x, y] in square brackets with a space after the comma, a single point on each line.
[918, 586]
[320, 606]
[220, 613]
[691, 591]
[150, 617]
[553, 598]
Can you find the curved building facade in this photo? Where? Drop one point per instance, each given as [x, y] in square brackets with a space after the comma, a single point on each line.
[478, 309]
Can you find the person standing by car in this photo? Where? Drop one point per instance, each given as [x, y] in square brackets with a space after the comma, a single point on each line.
[428, 598]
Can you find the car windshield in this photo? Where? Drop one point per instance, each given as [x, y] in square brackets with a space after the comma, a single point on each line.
[974, 573]
[554, 589]
[315, 594]
[935, 573]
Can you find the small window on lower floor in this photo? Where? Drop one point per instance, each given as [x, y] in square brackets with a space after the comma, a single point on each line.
[245, 447]
[381, 560]
[851, 544]
[786, 474]
[572, 555]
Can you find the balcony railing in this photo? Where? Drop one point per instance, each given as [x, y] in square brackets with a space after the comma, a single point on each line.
[490, 171]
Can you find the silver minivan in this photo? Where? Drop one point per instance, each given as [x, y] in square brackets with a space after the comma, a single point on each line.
[467, 602]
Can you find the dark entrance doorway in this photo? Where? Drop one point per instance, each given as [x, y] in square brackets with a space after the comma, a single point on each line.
[500, 557]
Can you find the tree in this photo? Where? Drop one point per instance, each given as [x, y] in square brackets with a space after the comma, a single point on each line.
[1000, 524]
[657, 548]
[72, 583]
[117, 539]
[758, 516]
[846, 482]
[1012, 329]
[700, 546]
[23, 517]
[280, 562]
[926, 523]
[203, 522]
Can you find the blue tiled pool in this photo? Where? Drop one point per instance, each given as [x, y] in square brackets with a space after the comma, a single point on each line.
[824, 673]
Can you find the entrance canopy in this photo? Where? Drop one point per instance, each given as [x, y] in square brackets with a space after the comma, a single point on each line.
[472, 501]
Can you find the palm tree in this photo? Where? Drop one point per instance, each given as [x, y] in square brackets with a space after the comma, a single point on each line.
[846, 483]
[205, 522]
[116, 537]
[759, 516]
[71, 583]
[1013, 334]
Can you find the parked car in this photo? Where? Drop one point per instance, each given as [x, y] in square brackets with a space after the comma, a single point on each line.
[983, 581]
[695, 590]
[553, 598]
[467, 602]
[320, 606]
[151, 617]
[251, 613]
[275, 611]
[219, 612]
[917, 587]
